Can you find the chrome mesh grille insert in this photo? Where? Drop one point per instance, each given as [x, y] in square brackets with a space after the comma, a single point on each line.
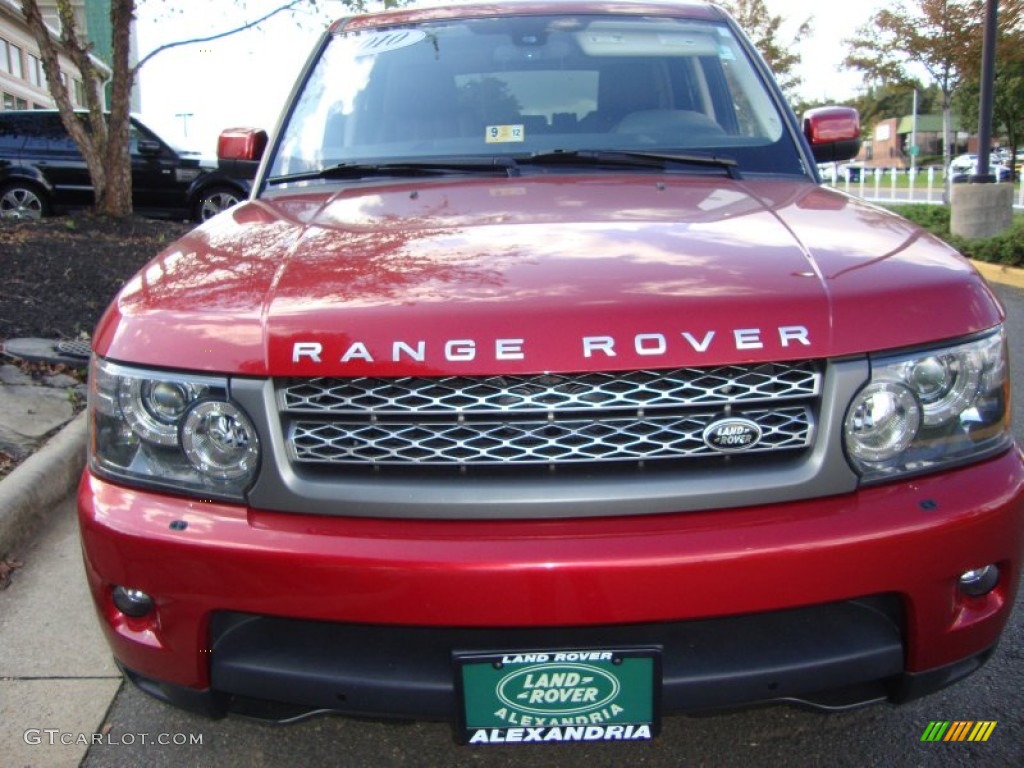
[635, 416]
[635, 389]
[614, 439]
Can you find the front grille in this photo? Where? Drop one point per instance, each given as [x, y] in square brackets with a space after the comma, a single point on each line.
[636, 416]
[684, 387]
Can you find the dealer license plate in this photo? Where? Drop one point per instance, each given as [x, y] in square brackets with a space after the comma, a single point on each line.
[558, 696]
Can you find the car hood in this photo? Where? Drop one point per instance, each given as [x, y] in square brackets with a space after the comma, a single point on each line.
[550, 274]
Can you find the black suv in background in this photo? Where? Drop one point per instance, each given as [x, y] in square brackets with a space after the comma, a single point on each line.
[42, 172]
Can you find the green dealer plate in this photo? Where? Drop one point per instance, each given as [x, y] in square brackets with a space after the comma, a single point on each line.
[525, 697]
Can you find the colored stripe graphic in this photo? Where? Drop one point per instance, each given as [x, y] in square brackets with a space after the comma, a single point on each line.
[982, 730]
[959, 730]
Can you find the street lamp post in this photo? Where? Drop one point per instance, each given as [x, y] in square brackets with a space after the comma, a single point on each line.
[913, 139]
[184, 121]
[983, 173]
[982, 209]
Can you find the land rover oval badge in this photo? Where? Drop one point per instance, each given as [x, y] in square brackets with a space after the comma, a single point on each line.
[732, 435]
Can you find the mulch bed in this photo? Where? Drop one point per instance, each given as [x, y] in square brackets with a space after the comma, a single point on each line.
[57, 275]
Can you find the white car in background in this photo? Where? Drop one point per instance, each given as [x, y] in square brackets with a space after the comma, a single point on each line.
[963, 167]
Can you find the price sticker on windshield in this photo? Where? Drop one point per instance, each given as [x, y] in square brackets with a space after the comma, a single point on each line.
[504, 134]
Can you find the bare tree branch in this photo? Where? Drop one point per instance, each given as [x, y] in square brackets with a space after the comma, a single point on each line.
[227, 33]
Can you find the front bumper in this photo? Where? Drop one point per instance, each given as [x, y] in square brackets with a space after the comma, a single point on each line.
[832, 602]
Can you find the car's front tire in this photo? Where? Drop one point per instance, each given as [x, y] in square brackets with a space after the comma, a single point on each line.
[23, 200]
[214, 200]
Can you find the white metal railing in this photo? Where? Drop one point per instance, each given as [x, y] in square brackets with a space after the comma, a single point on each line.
[902, 185]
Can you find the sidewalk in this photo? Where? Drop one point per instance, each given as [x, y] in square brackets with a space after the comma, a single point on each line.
[30, 409]
[57, 678]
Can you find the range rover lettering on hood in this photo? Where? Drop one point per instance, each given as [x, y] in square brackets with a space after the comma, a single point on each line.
[467, 350]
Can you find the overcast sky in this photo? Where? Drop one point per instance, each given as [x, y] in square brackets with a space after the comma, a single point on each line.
[244, 79]
[823, 51]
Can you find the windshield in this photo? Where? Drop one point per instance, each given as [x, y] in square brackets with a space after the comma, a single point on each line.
[518, 86]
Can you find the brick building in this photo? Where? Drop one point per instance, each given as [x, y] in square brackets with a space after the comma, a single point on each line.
[889, 145]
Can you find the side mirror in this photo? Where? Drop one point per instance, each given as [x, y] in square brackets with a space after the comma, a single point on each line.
[833, 133]
[148, 147]
[241, 144]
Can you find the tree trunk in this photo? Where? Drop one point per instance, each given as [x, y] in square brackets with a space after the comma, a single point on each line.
[101, 137]
[117, 198]
[117, 195]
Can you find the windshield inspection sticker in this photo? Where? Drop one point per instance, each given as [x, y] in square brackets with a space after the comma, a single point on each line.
[559, 696]
[504, 134]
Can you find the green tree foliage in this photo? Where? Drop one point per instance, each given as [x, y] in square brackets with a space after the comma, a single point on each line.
[879, 102]
[763, 29]
[941, 38]
[1008, 94]
[935, 36]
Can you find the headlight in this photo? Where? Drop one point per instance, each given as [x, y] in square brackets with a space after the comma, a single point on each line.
[931, 409]
[170, 430]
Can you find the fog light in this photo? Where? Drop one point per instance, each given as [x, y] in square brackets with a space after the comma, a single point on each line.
[978, 581]
[132, 602]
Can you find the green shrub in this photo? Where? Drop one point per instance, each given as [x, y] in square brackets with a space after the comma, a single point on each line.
[934, 218]
[1005, 248]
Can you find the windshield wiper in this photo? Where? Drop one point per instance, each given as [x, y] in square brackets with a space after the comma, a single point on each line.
[508, 165]
[627, 158]
[405, 168]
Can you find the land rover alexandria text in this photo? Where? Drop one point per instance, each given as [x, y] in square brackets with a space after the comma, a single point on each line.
[540, 387]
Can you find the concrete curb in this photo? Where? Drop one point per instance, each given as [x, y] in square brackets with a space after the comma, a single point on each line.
[37, 484]
[1000, 273]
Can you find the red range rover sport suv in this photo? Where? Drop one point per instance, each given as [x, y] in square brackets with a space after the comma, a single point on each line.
[540, 387]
